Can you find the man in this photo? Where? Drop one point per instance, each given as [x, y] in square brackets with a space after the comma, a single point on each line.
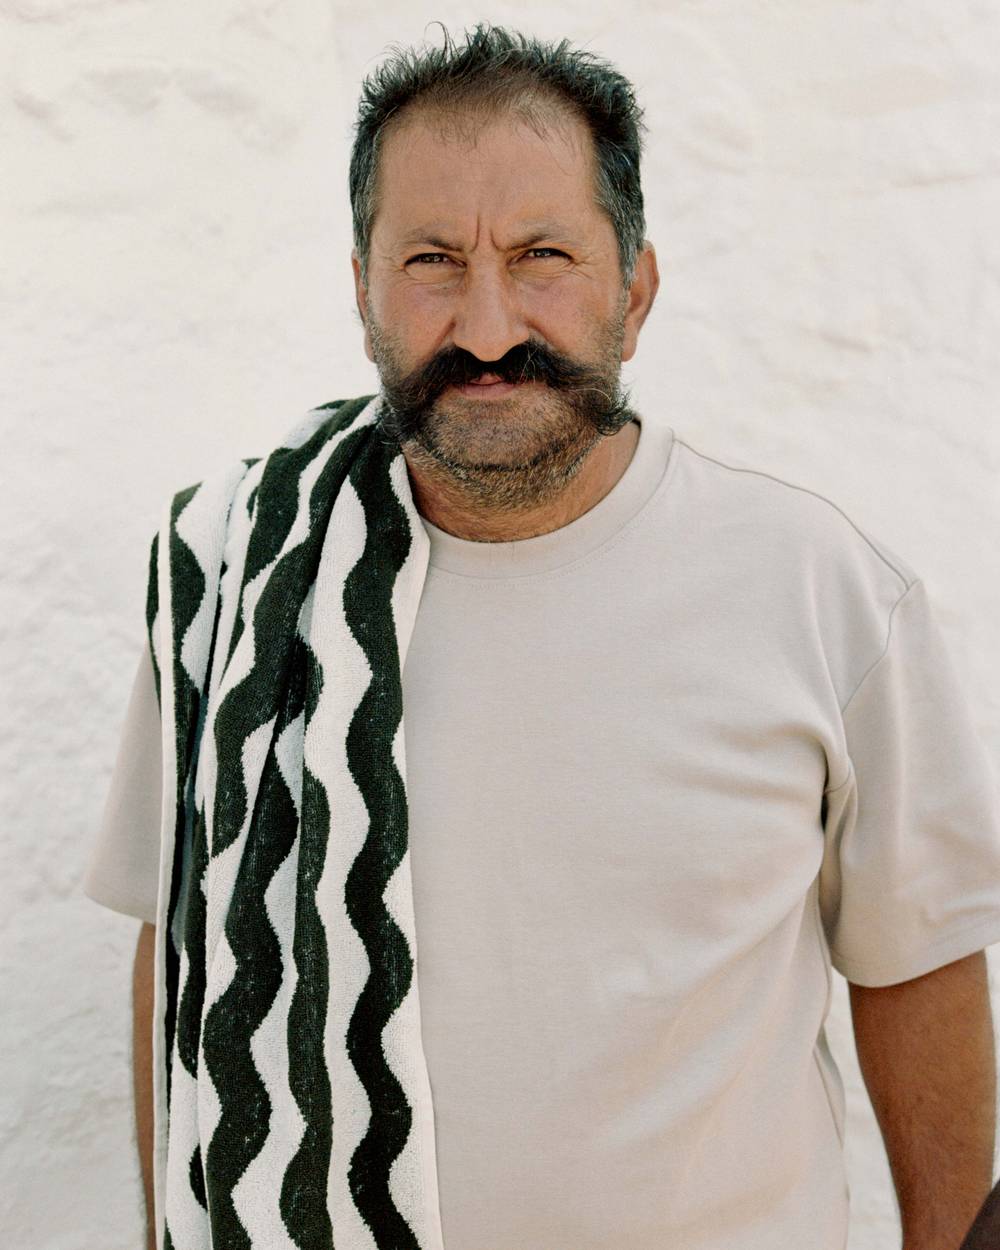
[678, 734]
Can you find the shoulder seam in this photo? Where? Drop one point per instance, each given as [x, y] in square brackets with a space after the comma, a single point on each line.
[882, 654]
[806, 490]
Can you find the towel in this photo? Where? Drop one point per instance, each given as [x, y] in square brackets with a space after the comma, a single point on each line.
[292, 1105]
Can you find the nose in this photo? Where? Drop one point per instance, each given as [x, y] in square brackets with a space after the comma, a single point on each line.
[488, 320]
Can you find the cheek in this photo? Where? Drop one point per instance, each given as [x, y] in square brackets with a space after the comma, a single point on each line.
[416, 312]
[561, 313]
[549, 299]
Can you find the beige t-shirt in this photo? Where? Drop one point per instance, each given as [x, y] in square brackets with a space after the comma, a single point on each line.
[663, 764]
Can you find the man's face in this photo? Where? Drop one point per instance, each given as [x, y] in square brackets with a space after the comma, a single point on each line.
[490, 260]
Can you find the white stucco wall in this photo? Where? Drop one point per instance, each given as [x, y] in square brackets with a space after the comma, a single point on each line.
[822, 185]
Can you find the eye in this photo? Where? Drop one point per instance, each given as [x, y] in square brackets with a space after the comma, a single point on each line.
[436, 256]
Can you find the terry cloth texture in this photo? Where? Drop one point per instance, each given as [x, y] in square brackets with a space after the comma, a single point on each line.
[292, 1104]
[637, 746]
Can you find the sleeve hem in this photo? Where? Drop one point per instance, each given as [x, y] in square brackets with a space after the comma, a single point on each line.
[952, 946]
[120, 903]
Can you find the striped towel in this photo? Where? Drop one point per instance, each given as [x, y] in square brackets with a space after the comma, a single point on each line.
[292, 1101]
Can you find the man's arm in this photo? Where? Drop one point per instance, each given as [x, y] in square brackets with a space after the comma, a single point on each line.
[142, 1064]
[927, 1055]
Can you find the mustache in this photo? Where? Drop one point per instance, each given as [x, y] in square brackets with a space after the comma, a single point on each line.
[526, 362]
[408, 399]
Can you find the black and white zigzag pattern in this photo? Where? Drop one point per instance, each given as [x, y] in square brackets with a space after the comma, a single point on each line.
[292, 1102]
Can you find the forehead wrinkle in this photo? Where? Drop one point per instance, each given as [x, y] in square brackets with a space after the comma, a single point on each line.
[534, 232]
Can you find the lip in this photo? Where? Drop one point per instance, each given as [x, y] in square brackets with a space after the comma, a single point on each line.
[489, 390]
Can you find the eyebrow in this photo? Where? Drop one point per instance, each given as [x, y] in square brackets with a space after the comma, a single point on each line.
[538, 231]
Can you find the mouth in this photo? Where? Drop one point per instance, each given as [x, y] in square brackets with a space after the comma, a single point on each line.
[489, 387]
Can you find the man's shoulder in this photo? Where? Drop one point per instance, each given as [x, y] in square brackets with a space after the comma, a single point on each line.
[807, 527]
[306, 435]
[324, 420]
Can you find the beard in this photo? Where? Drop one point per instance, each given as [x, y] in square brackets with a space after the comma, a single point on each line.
[513, 452]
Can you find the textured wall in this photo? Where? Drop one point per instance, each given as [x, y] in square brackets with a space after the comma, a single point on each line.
[820, 179]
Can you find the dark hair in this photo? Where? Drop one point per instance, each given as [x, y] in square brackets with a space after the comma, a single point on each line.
[499, 72]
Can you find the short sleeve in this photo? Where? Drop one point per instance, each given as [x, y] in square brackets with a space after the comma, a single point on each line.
[123, 870]
[910, 878]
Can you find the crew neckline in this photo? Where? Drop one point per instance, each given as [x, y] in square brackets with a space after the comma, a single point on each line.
[544, 552]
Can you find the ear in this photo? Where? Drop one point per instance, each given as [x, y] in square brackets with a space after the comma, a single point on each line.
[641, 295]
[361, 297]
